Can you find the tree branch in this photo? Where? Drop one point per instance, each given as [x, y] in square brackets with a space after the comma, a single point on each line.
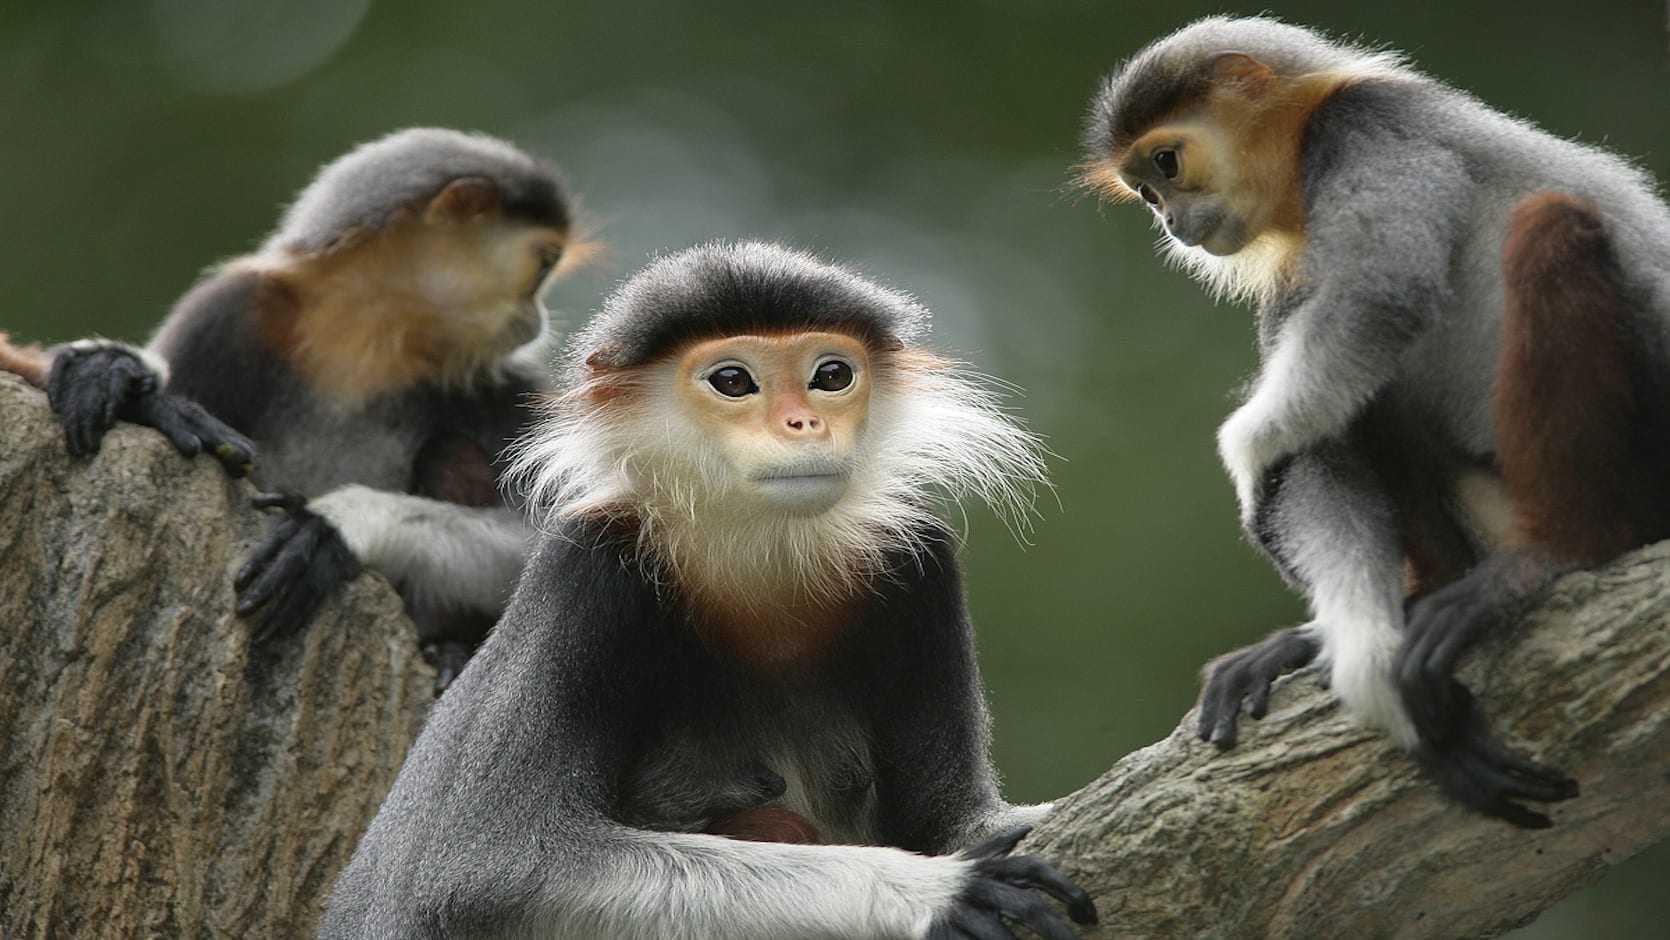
[1312, 828]
[158, 777]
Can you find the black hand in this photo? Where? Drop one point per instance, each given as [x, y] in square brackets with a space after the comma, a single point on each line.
[1478, 770]
[192, 429]
[300, 561]
[88, 388]
[1005, 889]
[1246, 675]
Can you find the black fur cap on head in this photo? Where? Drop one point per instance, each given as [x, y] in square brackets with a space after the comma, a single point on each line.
[364, 188]
[725, 289]
[1177, 69]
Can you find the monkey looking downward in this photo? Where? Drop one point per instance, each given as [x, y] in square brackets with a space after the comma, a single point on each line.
[743, 579]
[1464, 328]
[382, 350]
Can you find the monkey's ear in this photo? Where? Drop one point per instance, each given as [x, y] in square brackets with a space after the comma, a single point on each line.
[1241, 70]
[462, 200]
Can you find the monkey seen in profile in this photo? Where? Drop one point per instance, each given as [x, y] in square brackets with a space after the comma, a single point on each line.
[743, 590]
[382, 349]
[1462, 324]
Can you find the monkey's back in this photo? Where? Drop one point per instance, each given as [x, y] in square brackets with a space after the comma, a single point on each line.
[1448, 376]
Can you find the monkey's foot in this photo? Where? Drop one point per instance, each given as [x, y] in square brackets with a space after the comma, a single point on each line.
[1003, 890]
[1445, 624]
[448, 657]
[1441, 627]
[300, 561]
[1245, 676]
[1478, 770]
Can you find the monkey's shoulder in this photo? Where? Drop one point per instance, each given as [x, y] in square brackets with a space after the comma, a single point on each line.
[1376, 123]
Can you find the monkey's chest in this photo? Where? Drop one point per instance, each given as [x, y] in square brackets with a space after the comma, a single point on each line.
[780, 771]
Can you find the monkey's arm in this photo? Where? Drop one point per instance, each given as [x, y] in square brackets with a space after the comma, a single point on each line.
[1328, 525]
[439, 554]
[1386, 209]
[501, 821]
[192, 381]
[931, 743]
[93, 383]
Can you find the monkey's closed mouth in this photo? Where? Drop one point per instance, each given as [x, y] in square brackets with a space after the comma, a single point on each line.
[809, 468]
[800, 477]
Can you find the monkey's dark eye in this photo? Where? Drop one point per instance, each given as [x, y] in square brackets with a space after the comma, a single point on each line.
[732, 382]
[548, 258]
[1148, 195]
[1167, 163]
[831, 376]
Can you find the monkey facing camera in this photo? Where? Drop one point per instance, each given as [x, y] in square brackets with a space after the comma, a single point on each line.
[745, 617]
[381, 350]
[1463, 324]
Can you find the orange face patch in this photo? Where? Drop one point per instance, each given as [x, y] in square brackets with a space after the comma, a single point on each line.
[778, 401]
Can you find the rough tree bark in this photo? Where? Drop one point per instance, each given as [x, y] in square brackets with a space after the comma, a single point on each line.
[157, 780]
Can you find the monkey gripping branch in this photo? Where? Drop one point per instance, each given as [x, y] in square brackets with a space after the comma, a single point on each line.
[154, 780]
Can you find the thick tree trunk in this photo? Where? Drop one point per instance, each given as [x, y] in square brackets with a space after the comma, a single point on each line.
[157, 778]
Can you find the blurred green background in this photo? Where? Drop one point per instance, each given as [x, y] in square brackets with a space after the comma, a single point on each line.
[929, 144]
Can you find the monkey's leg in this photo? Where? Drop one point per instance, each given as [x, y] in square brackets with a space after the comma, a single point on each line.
[1569, 431]
[1455, 743]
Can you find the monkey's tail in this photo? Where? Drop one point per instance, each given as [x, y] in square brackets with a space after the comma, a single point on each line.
[31, 362]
